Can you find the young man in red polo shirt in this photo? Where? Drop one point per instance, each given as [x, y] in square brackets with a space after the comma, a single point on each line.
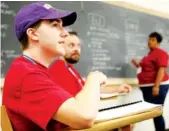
[63, 72]
[34, 102]
[153, 78]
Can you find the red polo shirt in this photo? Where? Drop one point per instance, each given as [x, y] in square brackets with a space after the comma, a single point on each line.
[31, 97]
[150, 65]
[69, 79]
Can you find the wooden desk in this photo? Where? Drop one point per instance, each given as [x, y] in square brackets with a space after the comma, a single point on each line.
[120, 122]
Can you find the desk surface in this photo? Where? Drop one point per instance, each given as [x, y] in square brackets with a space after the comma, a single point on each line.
[120, 122]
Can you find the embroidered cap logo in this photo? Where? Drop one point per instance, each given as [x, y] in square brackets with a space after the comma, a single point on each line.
[47, 6]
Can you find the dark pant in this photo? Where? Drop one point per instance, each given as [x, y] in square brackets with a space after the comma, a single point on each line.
[148, 97]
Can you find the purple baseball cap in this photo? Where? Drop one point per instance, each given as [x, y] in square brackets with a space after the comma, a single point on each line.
[32, 13]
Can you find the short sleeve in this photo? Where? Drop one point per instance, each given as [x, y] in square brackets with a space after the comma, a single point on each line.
[41, 98]
[162, 59]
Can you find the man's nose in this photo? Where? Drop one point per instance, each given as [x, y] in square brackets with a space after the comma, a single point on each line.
[64, 33]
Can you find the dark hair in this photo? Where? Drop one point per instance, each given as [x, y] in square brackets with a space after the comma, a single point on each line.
[24, 39]
[157, 36]
[73, 33]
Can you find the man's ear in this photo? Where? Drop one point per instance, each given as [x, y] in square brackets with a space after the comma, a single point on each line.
[32, 34]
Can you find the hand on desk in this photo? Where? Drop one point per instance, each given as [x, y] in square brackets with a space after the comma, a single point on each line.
[124, 88]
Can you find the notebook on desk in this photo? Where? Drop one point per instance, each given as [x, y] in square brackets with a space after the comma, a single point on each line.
[114, 112]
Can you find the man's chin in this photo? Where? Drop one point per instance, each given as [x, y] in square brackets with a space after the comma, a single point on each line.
[71, 61]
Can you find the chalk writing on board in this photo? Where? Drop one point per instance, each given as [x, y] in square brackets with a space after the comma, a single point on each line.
[106, 33]
[99, 34]
[4, 5]
[9, 53]
[3, 63]
[4, 27]
[3, 34]
[5, 9]
[115, 34]
[161, 28]
[165, 42]
[96, 20]
[136, 45]
[131, 25]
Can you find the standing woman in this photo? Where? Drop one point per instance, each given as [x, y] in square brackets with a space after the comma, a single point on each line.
[153, 78]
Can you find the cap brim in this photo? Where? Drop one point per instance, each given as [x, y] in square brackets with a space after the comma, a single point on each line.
[68, 18]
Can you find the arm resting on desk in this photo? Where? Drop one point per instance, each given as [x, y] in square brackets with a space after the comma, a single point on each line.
[80, 112]
[70, 114]
[121, 122]
[123, 88]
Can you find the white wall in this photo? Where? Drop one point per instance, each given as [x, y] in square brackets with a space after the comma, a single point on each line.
[157, 5]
